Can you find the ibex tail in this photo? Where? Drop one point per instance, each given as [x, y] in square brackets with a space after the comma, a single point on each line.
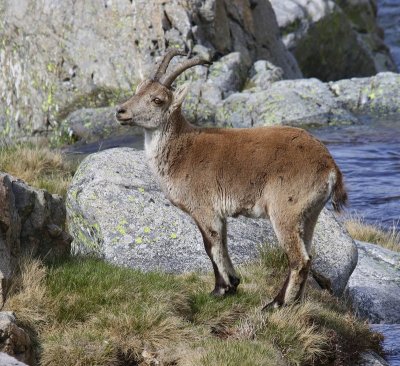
[339, 194]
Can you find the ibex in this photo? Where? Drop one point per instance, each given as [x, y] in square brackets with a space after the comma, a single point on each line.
[280, 173]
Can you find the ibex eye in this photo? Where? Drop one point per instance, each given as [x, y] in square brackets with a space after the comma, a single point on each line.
[157, 101]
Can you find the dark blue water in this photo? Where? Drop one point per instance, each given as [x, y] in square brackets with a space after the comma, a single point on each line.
[391, 342]
[369, 157]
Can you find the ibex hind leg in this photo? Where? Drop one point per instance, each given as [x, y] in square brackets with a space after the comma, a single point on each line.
[215, 242]
[291, 238]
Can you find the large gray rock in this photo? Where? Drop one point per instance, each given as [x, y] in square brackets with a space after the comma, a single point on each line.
[374, 286]
[116, 210]
[311, 103]
[31, 222]
[7, 360]
[15, 342]
[377, 95]
[333, 40]
[60, 56]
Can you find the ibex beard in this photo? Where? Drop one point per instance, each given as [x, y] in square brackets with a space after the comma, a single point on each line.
[280, 173]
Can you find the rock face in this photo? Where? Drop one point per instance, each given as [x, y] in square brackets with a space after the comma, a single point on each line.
[15, 342]
[91, 54]
[374, 286]
[334, 39]
[116, 210]
[31, 222]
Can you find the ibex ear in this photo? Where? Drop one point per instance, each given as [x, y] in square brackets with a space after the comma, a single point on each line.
[179, 96]
[140, 85]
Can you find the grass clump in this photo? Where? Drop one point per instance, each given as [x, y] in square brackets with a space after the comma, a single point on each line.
[37, 165]
[88, 312]
[359, 230]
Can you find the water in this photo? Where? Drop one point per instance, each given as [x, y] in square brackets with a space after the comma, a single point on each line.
[391, 342]
[369, 157]
[389, 20]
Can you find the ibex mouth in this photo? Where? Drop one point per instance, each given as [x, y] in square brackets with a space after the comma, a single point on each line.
[122, 120]
[125, 121]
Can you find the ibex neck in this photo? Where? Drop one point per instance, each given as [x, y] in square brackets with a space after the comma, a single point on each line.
[158, 141]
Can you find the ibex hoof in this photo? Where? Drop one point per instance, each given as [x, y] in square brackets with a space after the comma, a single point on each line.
[223, 291]
[234, 281]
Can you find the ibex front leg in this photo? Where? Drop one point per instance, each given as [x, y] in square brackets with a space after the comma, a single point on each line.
[213, 230]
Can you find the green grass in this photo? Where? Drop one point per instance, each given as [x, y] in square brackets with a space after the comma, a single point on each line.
[359, 230]
[87, 312]
[37, 165]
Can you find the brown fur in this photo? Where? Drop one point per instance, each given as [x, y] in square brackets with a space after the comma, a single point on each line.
[280, 173]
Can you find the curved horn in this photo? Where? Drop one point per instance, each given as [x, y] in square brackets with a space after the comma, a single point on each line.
[181, 68]
[165, 62]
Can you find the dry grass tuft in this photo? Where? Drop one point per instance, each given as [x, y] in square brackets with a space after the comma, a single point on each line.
[37, 165]
[359, 230]
[27, 295]
[289, 330]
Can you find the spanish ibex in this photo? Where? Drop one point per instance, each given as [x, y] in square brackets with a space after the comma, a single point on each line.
[280, 173]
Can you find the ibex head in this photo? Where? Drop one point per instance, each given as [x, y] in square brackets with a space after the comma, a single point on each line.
[154, 100]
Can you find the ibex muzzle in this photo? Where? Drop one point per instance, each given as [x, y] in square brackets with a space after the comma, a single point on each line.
[280, 173]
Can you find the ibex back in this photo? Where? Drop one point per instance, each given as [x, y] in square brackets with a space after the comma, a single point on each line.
[280, 173]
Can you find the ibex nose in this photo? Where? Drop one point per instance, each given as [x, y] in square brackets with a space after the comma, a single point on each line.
[120, 110]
